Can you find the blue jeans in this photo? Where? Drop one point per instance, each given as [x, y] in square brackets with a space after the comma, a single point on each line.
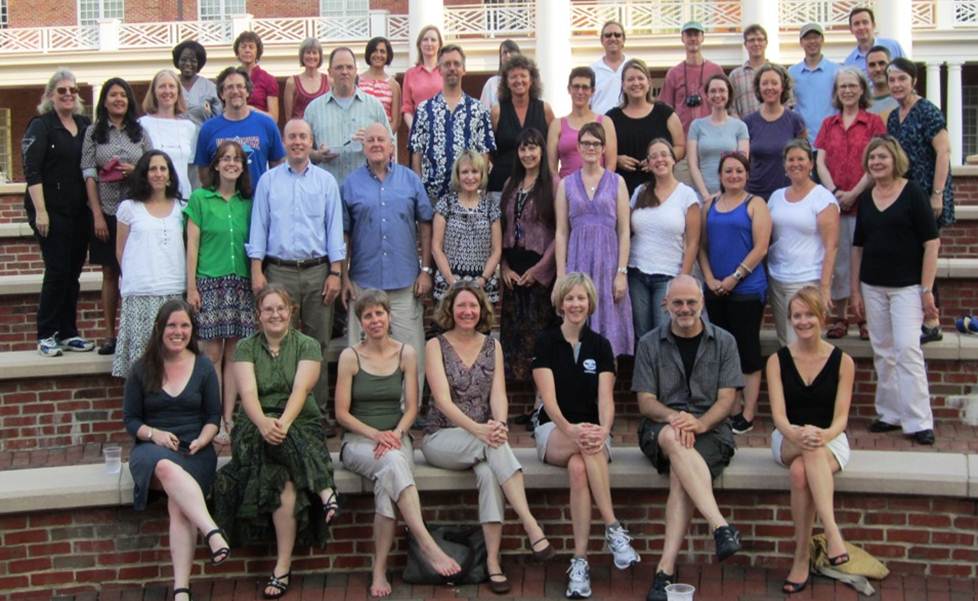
[648, 294]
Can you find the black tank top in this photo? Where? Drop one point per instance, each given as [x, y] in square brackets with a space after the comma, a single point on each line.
[508, 130]
[812, 404]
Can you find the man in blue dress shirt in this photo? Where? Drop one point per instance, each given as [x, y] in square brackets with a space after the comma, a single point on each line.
[296, 239]
[385, 206]
[862, 24]
[814, 79]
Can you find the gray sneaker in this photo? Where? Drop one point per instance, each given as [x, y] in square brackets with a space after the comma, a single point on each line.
[578, 579]
[77, 344]
[619, 542]
[49, 347]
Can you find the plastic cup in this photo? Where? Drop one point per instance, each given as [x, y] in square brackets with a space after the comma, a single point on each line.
[680, 592]
[113, 458]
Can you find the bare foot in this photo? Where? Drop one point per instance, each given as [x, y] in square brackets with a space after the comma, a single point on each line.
[440, 561]
[380, 587]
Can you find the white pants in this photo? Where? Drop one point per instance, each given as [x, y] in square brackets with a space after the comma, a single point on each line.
[407, 324]
[392, 473]
[780, 293]
[894, 317]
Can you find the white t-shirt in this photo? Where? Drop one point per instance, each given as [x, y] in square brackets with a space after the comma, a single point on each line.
[607, 86]
[490, 92]
[658, 233]
[177, 138]
[796, 251]
[154, 261]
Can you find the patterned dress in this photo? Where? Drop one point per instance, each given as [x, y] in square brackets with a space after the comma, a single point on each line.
[470, 385]
[593, 249]
[248, 489]
[916, 134]
[468, 242]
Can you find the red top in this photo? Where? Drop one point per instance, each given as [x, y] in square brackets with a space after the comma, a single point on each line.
[302, 98]
[844, 148]
[420, 84]
[263, 87]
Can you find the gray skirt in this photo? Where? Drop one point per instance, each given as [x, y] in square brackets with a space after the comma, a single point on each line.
[135, 326]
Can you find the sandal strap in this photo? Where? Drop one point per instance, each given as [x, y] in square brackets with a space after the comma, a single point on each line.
[182, 591]
[276, 581]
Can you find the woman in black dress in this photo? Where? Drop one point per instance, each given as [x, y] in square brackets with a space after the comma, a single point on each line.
[172, 408]
[810, 388]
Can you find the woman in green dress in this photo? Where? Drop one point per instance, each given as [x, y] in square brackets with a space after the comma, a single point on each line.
[280, 479]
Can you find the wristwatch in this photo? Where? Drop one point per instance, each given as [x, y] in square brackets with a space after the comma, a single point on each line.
[336, 273]
[426, 269]
[622, 270]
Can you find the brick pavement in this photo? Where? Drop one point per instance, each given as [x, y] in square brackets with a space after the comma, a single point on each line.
[538, 583]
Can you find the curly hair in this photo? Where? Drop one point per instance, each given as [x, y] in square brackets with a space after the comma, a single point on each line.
[518, 61]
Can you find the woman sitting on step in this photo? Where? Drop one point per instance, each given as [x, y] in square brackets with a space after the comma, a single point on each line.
[372, 377]
[172, 407]
[810, 389]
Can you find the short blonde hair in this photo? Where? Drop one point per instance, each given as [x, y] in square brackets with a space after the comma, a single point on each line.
[563, 286]
[811, 298]
[151, 104]
[477, 161]
[445, 316]
[900, 161]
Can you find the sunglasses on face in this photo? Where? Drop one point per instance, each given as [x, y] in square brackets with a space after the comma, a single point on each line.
[66, 90]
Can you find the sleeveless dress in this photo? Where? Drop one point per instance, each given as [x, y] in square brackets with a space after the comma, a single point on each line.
[302, 98]
[593, 249]
[567, 154]
[470, 386]
[507, 133]
[381, 90]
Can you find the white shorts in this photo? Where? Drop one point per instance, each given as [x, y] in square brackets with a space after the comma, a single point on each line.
[541, 434]
[838, 446]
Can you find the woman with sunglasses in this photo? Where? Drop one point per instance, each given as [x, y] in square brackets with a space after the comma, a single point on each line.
[56, 211]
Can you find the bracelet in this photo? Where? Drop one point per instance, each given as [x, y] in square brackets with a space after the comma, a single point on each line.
[746, 268]
[925, 290]
[152, 431]
[938, 192]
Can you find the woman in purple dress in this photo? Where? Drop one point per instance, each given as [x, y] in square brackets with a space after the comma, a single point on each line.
[593, 237]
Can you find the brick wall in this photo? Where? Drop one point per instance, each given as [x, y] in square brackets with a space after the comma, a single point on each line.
[52, 412]
[69, 551]
[18, 320]
[43, 13]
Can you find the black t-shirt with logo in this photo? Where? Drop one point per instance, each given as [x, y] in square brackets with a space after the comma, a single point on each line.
[576, 381]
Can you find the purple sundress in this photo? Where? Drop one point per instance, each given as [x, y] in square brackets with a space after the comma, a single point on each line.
[593, 249]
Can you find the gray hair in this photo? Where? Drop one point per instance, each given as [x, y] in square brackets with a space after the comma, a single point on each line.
[47, 105]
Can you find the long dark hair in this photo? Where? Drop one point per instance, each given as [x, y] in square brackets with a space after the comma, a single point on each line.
[542, 194]
[243, 183]
[129, 123]
[139, 188]
[152, 359]
[648, 198]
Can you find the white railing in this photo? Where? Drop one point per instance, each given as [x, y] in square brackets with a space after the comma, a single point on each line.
[656, 16]
[965, 13]
[830, 13]
[397, 28]
[490, 20]
[49, 39]
[156, 35]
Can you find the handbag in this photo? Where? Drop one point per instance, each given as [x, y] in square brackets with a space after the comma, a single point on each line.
[465, 544]
[856, 572]
[111, 172]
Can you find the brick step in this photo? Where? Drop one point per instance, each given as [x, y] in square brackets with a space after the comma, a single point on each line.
[72, 526]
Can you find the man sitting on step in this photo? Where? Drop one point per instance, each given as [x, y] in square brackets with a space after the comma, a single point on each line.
[686, 374]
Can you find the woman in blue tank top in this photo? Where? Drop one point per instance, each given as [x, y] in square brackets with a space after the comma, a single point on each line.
[736, 232]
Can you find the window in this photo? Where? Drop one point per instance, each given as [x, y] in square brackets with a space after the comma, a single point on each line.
[90, 11]
[220, 10]
[5, 157]
[343, 8]
[4, 17]
[969, 121]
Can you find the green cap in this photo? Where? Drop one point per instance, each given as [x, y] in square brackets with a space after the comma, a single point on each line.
[693, 25]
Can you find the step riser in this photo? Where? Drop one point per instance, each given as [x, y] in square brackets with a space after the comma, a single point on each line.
[18, 320]
[59, 550]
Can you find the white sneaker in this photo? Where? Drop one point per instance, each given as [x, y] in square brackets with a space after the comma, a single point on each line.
[578, 579]
[619, 543]
[49, 347]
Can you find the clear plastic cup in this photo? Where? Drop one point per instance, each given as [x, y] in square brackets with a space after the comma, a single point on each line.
[680, 592]
[113, 458]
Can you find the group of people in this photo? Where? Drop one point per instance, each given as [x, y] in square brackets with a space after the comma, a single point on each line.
[634, 225]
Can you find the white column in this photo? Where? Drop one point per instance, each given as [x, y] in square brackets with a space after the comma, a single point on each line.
[934, 83]
[108, 35]
[377, 21]
[553, 57]
[765, 14]
[420, 14]
[894, 19]
[945, 15]
[954, 118]
[239, 25]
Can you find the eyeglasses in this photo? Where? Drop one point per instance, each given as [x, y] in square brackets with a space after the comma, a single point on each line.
[589, 144]
[62, 90]
[583, 87]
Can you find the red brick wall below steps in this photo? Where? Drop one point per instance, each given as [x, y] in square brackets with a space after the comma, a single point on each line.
[18, 320]
[70, 410]
[73, 550]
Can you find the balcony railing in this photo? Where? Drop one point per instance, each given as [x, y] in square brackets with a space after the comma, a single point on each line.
[513, 19]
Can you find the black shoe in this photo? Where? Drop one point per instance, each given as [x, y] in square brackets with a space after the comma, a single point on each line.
[739, 425]
[727, 540]
[790, 588]
[659, 584]
[879, 425]
[923, 437]
[108, 348]
[930, 334]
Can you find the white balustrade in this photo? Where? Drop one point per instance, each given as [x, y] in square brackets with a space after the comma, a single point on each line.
[490, 20]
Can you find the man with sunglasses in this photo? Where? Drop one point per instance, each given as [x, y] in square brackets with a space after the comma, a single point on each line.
[607, 69]
[686, 376]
